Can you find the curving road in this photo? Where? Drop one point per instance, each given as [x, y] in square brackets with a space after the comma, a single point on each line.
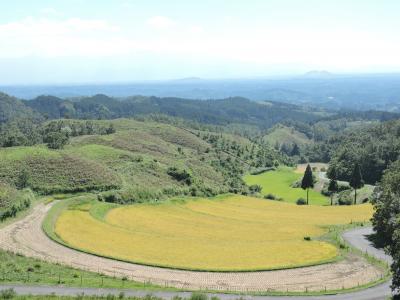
[355, 237]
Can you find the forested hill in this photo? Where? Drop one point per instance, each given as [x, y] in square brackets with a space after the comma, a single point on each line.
[374, 148]
[11, 109]
[220, 112]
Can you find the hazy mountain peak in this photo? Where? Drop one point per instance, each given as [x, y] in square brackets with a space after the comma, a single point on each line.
[318, 74]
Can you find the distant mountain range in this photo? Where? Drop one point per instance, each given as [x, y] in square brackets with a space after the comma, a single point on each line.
[318, 74]
[228, 111]
[315, 88]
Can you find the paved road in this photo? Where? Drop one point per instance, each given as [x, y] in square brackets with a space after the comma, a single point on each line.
[355, 237]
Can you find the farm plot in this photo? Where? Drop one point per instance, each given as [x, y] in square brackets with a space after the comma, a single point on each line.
[231, 233]
[279, 183]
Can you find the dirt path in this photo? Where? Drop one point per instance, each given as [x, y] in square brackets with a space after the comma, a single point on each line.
[26, 237]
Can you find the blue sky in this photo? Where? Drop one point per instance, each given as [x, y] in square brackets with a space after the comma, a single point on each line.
[79, 41]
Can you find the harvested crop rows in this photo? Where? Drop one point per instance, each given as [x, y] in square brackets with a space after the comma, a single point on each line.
[26, 237]
[232, 233]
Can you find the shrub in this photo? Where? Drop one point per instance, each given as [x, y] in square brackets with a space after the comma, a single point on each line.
[345, 201]
[307, 238]
[110, 197]
[301, 201]
[56, 140]
[7, 294]
[11, 201]
[198, 296]
[180, 175]
[255, 188]
[296, 184]
[270, 197]
[262, 170]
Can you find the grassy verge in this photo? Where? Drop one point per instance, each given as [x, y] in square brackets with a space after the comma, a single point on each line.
[10, 294]
[18, 269]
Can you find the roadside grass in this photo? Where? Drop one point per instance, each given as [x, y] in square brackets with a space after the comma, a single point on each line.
[17, 269]
[278, 182]
[83, 297]
[203, 234]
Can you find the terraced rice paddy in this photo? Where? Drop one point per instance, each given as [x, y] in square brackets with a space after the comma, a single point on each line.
[231, 233]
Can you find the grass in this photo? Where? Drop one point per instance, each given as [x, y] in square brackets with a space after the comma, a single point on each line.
[231, 233]
[281, 134]
[18, 269]
[7, 295]
[52, 171]
[134, 160]
[279, 183]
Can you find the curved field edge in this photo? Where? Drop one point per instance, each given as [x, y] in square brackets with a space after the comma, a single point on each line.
[58, 208]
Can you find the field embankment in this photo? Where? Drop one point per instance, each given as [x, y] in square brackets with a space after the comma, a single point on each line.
[27, 237]
[231, 233]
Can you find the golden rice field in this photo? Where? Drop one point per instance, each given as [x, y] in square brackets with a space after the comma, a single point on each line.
[233, 233]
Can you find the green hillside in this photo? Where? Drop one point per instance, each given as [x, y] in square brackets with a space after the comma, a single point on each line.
[12, 200]
[140, 161]
[281, 135]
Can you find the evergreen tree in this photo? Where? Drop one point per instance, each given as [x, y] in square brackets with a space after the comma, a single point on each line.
[356, 181]
[295, 150]
[332, 188]
[308, 180]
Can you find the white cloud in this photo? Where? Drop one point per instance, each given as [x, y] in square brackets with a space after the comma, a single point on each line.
[45, 37]
[160, 22]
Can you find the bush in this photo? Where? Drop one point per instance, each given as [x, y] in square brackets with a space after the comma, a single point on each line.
[180, 175]
[296, 184]
[262, 170]
[307, 238]
[365, 200]
[110, 197]
[345, 201]
[198, 296]
[7, 294]
[341, 188]
[255, 188]
[301, 201]
[56, 140]
[20, 201]
[270, 197]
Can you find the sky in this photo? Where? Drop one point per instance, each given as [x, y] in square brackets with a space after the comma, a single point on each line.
[97, 41]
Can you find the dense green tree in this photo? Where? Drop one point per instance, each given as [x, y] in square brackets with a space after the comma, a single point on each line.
[356, 181]
[295, 150]
[333, 186]
[23, 179]
[386, 219]
[56, 140]
[308, 180]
